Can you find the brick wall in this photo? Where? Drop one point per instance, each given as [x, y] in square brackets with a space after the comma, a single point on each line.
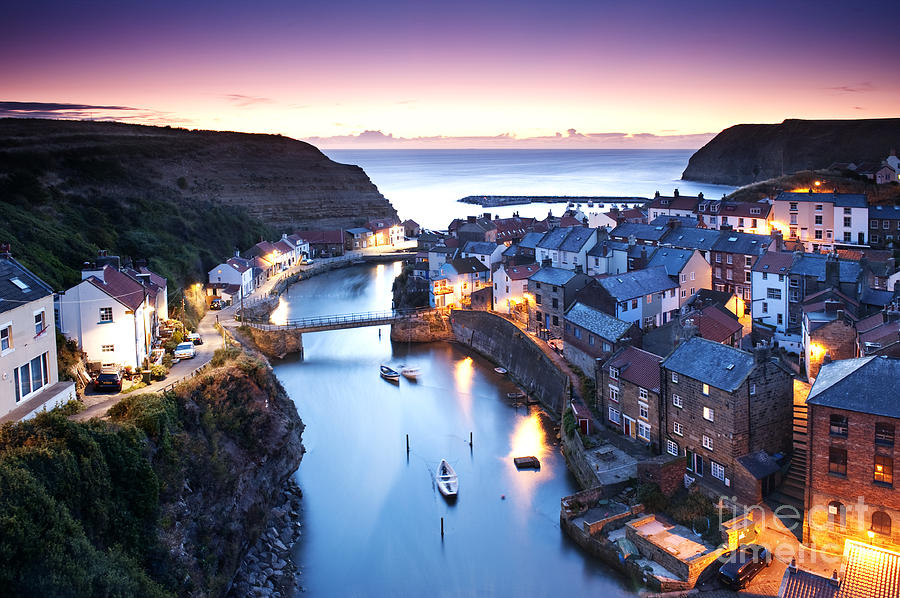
[667, 474]
[628, 404]
[838, 338]
[857, 490]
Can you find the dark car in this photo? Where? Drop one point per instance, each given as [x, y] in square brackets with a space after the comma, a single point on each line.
[215, 304]
[742, 565]
[109, 380]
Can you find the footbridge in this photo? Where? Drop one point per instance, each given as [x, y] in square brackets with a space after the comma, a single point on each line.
[342, 321]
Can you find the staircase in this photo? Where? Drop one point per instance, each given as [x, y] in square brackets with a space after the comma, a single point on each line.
[793, 487]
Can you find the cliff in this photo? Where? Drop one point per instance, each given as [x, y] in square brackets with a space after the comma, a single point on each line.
[748, 153]
[162, 500]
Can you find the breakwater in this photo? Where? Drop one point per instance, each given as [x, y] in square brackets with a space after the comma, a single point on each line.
[527, 365]
[493, 201]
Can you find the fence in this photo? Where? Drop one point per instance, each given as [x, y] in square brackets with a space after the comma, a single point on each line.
[342, 320]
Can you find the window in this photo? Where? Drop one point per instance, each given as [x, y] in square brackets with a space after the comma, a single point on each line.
[709, 414]
[874, 238]
[642, 393]
[818, 207]
[537, 285]
[747, 276]
[884, 434]
[683, 293]
[793, 207]
[707, 442]
[886, 225]
[838, 425]
[676, 401]
[765, 276]
[728, 275]
[555, 303]
[643, 410]
[614, 416]
[765, 307]
[644, 431]
[675, 377]
[718, 272]
[730, 259]
[6, 337]
[32, 376]
[106, 314]
[753, 223]
[717, 470]
[748, 261]
[678, 428]
[773, 293]
[706, 389]
[577, 332]
[837, 461]
[649, 299]
[39, 322]
[884, 470]
[537, 299]
[672, 448]
[718, 258]
[590, 339]
[818, 219]
[780, 318]
[881, 523]
[634, 303]
[847, 211]
[613, 373]
[847, 222]
[684, 278]
[107, 348]
[818, 234]
[556, 320]
[793, 220]
[873, 224]
[848, 238]
[752, 389]
[614, 394]
[607, 347]
[837, 514]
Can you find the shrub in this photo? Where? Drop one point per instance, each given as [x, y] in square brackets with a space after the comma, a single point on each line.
[569, 424]
[158, 372]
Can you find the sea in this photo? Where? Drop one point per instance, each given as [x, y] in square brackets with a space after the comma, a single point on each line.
[425, 185]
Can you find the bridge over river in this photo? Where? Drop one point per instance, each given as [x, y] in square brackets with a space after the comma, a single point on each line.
[342, 321]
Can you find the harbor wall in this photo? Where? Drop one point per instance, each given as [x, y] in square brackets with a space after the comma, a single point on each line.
[503, 343]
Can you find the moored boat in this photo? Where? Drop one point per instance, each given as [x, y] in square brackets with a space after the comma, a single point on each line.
[390, 374]
[410, 372]
[447, 480]
[501, 371]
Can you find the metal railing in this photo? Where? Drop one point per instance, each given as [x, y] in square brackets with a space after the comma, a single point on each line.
[350, 320]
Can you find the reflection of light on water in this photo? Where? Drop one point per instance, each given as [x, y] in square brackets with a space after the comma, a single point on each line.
[463, 375]
[379, 271]
[279, 314]
[527, 440]
[398, 268]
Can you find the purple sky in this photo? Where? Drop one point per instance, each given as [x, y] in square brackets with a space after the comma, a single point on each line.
[450, 74]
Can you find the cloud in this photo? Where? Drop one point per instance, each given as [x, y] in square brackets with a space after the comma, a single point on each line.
[64, 110]
[376, 139]
[244, 101]
[863, 87]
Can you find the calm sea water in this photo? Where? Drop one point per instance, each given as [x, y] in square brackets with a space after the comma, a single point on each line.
[425, 184]
[372, 514]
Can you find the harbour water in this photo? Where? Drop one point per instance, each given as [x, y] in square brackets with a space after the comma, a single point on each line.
[372, 513]
[425, 184]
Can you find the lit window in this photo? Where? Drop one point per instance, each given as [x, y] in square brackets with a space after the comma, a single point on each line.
[709, 414]
[678, 428]
[884, 470]
[706, 389]
[707, 442]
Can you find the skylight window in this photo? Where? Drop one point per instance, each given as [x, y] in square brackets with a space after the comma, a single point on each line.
[22, 286]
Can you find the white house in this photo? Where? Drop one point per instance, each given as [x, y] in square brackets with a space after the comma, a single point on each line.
[237, 271]
[566, 246]
[646, 297]
[770, 296]
[607, 257]
[690, 271]
[108, 314]
[29, 376]
[820, 220]
[486, 253]
[510, 285]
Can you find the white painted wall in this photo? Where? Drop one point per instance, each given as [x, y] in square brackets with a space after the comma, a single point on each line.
[26, 346]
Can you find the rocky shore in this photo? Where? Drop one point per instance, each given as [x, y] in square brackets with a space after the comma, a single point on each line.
[268, 570]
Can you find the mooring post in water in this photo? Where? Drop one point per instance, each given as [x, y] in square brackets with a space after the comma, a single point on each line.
[407, 444]
[442, 527]
[470, 439]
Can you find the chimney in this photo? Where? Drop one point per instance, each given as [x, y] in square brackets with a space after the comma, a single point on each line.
[5, 250]
[839, 315]
[487, 215]
[675, 194]
[762, 352]
[792, 568]
[834, 579]
[237, 252]
[470, 219]
[700, 195]
[832, 271]
[655, 195]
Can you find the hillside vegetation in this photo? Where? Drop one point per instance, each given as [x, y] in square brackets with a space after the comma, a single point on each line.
[160, 501]
[748, 153]
[829, 181]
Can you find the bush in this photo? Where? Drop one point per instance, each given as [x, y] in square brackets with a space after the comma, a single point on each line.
[651, 497]
[158, 372]
[569, 424]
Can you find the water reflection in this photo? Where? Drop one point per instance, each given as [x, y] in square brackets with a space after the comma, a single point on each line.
[279, 315]
[528, 439]
[463, 375]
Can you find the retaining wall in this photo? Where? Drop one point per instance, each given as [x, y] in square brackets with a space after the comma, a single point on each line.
[502, 342]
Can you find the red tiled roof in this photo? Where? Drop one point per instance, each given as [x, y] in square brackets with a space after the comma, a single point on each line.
[580, 411]
[283, 246]
[715, 325]
[120, 287]
[638, 367]
[569, 221]
[871, 572]
[682, 202]
[522, 272]
[239, 265]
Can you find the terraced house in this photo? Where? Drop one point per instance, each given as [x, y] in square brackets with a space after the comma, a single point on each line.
[646, 297]
[628, 395]
[729, 413]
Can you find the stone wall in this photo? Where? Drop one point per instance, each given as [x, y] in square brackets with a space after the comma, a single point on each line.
[577, 461]
[665, 471]
[502, 342]
[427, 328]
[275, 343]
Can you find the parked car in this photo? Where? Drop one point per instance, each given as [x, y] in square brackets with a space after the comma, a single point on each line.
[308, 262]
[194, 337]
[215, 303]
[109, 379]
[741, 565]
[185, 351]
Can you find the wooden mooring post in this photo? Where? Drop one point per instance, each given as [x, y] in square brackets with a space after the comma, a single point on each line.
[442, 527]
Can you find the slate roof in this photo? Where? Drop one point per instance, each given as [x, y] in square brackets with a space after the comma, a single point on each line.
[673, 260]
[319, 237]
[480, 247]
[637, 366]
[637, 283]
[870, 572]
[675, 202]
[284, 246]
[863, 384]
[813, 264]
[522, 272]
[716, 364]
[120, 287]
[803, 584]
[746, 243]
[530, 240]
[576, 238]
[239, 264]
[841, 200]
[884, 212]
[717, 324]
[359, 231]
[11, 294]
[760, 464]
[876, 297]
[603, 248]
[774, 262]
[468, 265]
[596, 321]
[554, 238]
[551, 275]
[681, 220]
[740, 209]
[692, 238]
[644, 232]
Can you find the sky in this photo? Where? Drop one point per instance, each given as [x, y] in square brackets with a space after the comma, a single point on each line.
[348, 73]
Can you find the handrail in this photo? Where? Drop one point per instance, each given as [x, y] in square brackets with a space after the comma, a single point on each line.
[338, 319]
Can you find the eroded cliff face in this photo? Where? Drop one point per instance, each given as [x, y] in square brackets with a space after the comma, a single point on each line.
[286, 183]
[748, 153]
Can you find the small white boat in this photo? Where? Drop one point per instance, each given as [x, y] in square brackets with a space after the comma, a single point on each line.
[446, 479]
[410, 372]
[390, 374]
[501, 371]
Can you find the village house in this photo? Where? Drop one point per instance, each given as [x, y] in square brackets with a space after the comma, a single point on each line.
[528, 245]
[635, 232]
[686, 268]
[590, 335]
[853, 422]
[324, 243]
[730, 413]
[385, 231]
[741, 216]
[474, 228]
[288, 252]
[30, 377]
[673, 205]
[628, 396]
[486, 253]
[427, 240]
[821, 220]
[109, 315]
[880, 172]
[437, 257]
[814, 272]
[301, 246]
[607, 257]
[551, 291]
[411, 229]
[646, 297]
[357, 238]
[769, 305]
[512, 230]
[511, 286]
[732, 258]
[828, 329]
[456, 281]
[234, 271]
[884, 225]
[267, 252]
[879, 334]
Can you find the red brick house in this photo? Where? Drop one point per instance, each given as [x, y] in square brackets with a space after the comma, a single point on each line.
[628, 395]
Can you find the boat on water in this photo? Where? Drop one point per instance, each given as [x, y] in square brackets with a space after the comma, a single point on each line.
[501, 371]
[390, 374]
[410, 372]
[530, 462]
[447, 481]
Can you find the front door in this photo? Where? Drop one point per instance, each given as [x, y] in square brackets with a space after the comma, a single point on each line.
[628, 426]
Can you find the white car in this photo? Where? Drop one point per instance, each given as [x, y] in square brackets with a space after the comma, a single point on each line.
[185, 351]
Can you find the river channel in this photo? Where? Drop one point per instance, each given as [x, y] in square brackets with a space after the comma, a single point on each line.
[372, 513]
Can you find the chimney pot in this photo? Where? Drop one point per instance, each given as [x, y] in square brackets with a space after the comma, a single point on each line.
[834, 578]
[675, 194]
